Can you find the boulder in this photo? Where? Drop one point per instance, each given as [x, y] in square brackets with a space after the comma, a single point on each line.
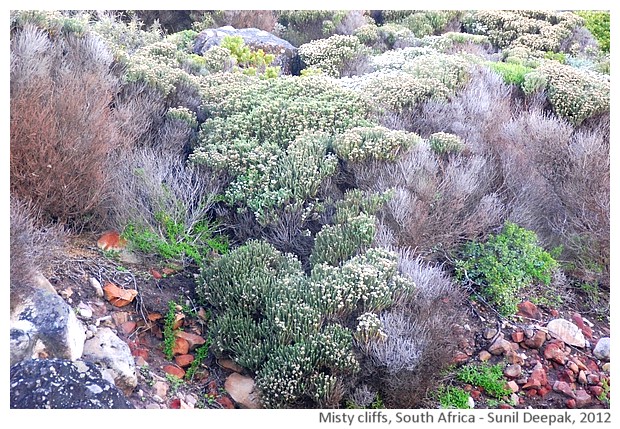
[286, 56]
[62, 384]
[43, 325]
[601, 351]
[566, 331]
[114, 357]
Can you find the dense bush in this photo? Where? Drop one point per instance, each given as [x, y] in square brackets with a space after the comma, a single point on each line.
[504, 265]
[303, 26]
[598, 24]
[337, 55]
[279, 323]
[575, 94]
[372, 143]
[538, 31]
[62, 129]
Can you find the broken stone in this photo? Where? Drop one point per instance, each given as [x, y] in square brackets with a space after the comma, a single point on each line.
[241, 390]
[554, 352]
[536, 341]
[566, 331]
[564, 388]
[518, 336]
[484, 356]
[582, 398]
[500, 346]
[512, 371]
[538, 378]
[529, 310]
[192, 339]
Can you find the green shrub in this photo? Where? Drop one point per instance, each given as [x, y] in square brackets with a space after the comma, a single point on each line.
[373, 143]
[429, 22]
[452, 397]
[337, 243]
[391, 34]
[173, 242]
[513, 74]
[353, 229]
[252, 63]
[537, 31]
[575, 94]
[275, 110]
[597, 22]
[303, 26]
[409, 76]
[504, 265]
[272, 319]
[291, 176]
[533, 81]
[337, 55]
[488, 377]
[367, 34]
[445, 143]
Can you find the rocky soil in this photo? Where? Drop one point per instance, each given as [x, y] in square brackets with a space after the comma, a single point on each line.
[554, 358]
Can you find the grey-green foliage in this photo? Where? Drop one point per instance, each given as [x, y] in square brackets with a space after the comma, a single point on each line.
[272, 137]
[353, 228]
[373, 143]
[276, 110]
[333, 55]
[268, 176]
[284, 326]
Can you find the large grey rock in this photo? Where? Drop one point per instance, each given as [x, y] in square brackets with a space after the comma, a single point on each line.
[285, 54]
[601, 350]
[43, 325]
[113, 356]
[55, 383]
[566, 331]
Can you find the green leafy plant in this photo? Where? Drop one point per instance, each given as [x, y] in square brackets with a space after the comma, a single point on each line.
[253, 63]
[200, 355]
[513, 74]
[604, 396]
[452, 397]
[173, 242]
[505, 264]
[488, 377]
[169, 331]
[597, 22]
[174, 382]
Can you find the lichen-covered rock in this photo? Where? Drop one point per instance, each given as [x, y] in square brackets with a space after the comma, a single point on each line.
[42, 324]
[62, 384]
[112, 354]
